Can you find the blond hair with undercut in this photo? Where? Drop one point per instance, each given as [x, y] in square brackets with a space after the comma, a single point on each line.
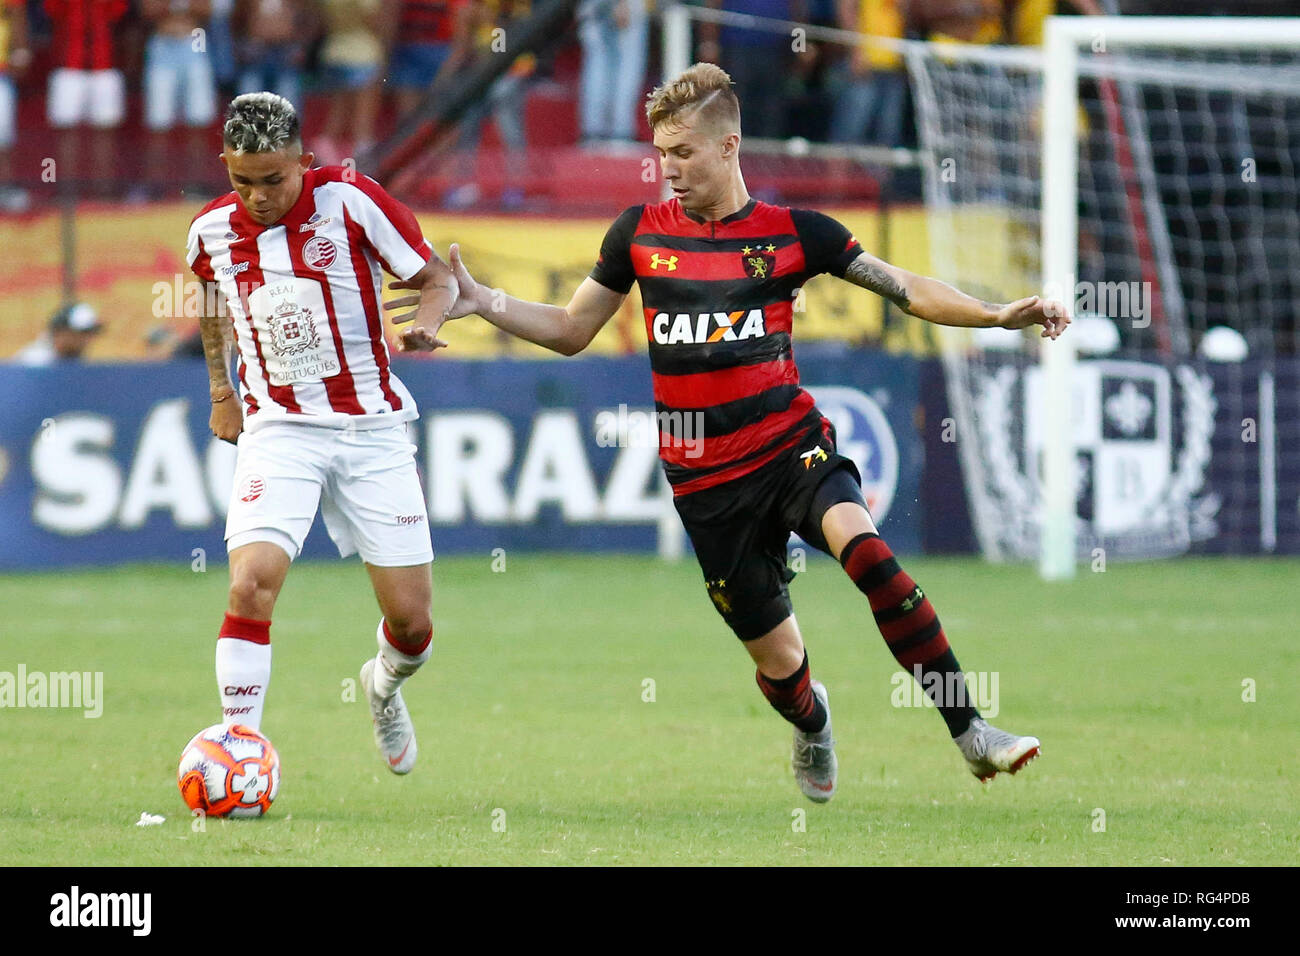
[704, 92]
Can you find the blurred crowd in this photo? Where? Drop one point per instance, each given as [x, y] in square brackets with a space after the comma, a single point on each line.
[122, 76]
[184, 58]
[845, 94]
[367, 63]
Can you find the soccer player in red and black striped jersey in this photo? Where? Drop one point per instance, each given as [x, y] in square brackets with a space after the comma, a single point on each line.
[749, 456]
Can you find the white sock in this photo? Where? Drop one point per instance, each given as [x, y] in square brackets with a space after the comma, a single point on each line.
[393, 666]
[243, 673]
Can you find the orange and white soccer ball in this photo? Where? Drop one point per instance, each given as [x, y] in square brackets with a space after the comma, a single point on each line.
[229, 771]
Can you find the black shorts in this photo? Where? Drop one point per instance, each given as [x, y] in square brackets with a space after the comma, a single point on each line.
[740, 528]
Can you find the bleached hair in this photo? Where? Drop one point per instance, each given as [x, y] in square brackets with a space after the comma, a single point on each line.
[704, 92]
[260, 123]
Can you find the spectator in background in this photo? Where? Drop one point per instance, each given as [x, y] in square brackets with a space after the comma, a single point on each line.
[85, 87]
[965, 21]
[357, 37]
[482, 30]
[613, 35]
[424, 43]
[1027, 16]
[272, 47]
[221, 46]
[167, 342]
[987, 21]
[14, 57]
[71, 329]
[809, 97]
[178, 79]
[872, 85]
[754, 59]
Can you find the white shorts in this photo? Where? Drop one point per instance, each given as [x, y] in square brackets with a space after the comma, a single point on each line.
[97, 97]
[364, 480]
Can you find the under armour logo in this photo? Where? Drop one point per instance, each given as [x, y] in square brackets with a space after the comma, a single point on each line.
[656, 261]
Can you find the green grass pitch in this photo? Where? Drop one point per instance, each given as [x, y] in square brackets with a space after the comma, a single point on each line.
[531, 717]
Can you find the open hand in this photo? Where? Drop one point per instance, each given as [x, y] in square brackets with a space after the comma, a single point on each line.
[456, 288]
[1035, 310]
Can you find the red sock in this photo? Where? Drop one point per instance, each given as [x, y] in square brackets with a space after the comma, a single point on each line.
[909, 625]
[793, 698]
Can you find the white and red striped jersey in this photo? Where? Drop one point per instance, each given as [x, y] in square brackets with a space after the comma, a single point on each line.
[304, 296]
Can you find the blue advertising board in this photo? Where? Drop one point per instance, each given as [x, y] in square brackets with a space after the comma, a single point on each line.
[104, 464]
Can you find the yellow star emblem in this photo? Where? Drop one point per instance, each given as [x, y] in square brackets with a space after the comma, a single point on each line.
[746, 251]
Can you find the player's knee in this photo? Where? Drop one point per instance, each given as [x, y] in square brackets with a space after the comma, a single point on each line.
[251, 596]
[410, 629]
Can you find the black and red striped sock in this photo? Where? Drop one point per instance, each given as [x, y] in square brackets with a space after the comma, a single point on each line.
[793, 698]
[908, 623]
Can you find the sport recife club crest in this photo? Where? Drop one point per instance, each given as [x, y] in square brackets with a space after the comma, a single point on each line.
[759, 261]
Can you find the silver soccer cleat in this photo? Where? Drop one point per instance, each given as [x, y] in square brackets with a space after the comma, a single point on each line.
[989, 751]
[394, 732]
[813, 758]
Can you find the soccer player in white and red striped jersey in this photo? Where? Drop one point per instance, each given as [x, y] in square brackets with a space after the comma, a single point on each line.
[296, 253]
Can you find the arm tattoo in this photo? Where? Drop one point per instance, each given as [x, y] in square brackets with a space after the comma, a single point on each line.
[863, 272]
[212, 329]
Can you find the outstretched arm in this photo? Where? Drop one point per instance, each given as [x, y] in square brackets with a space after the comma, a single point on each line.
[567, 330]
[437, 292]
[940, 303]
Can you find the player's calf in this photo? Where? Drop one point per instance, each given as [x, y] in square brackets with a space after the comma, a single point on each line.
[792, 697]
[909, 625]
[243, 669]
[399, 655]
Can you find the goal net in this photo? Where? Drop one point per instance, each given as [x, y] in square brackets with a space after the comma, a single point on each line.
[1149, 180]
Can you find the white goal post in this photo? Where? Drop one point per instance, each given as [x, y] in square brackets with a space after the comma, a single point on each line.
[1064, 39]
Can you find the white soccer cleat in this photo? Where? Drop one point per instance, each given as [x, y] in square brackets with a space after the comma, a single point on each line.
[394, 732]
[989, 751]
[813, 759]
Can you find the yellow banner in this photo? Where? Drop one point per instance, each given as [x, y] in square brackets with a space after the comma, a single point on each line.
[127, 256]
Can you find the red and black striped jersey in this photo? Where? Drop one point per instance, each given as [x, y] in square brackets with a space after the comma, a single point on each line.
[719, 301]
